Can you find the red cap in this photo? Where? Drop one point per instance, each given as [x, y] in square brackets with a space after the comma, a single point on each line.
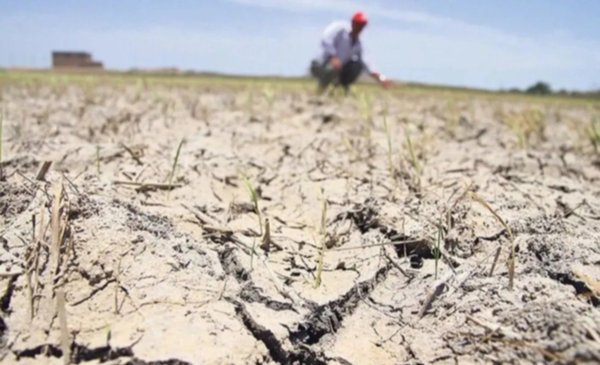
[359, 17]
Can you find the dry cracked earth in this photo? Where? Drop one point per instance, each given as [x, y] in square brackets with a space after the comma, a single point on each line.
[388, 229]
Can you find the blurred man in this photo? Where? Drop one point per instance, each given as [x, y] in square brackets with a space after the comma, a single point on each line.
[341, 61]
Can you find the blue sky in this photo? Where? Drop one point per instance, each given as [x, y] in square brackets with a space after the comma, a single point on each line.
[490, 44]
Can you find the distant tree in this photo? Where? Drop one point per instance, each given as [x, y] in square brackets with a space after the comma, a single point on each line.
[539, 88]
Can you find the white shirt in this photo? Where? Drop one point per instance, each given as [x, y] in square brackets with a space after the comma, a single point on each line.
[336, 41]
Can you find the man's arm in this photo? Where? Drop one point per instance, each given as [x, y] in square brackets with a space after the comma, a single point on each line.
[328, 44]
[382, 80]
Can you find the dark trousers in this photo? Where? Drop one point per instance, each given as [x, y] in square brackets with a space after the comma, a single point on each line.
[327, 75]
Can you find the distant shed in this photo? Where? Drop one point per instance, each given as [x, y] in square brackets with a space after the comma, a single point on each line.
[74, 60]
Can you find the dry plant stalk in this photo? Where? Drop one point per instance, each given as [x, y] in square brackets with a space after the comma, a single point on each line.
[252, 253]
[495, 328]
[320, 264]
[323, 236]
[593, 133]
[269, 95]
[525, 125]
[61, 311]
[117, 286]
[350, 147]
[388, 134]
[448, 212]
[366, 106]
[266, 239]
[254, 198]
[481, 201]
[147, 186]
[436, 292]
[56, 229]
[496, 257]
[366, 109]
[40, 238]
[392, 243]
[60, 276]
[452, 117]
[438, 253]
[174, 167]
[98, 160]
[511, 262]
[32, 263]
[29, 288]
[414, 161]
[323, 228]
[444, 283]
[41, 175]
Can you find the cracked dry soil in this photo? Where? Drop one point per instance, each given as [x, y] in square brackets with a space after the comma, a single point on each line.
[376, 185]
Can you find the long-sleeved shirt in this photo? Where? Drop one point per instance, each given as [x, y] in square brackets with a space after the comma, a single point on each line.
[336, 41]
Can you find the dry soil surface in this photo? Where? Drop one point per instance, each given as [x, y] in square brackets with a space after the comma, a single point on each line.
[374, 243]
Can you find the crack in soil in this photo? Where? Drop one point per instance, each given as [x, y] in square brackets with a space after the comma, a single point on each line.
[581, 287]
[364, 216]
[160, 362]
[328, 318]
[232, 266]
[276, 350]
[104, 353]
[14, 200]
[251, 294]
[7, 296]
[157, 225]
[80, 353]
[323, 319]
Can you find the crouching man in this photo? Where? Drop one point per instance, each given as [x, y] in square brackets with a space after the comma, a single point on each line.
[341, 61]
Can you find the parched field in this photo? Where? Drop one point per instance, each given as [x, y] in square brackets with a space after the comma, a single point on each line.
[223, 221]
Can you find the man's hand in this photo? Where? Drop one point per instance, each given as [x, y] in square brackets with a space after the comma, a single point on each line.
[335, 63]
[382, 80]
[385, 83]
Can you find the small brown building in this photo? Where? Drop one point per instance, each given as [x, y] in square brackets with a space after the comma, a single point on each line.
[75, 60]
